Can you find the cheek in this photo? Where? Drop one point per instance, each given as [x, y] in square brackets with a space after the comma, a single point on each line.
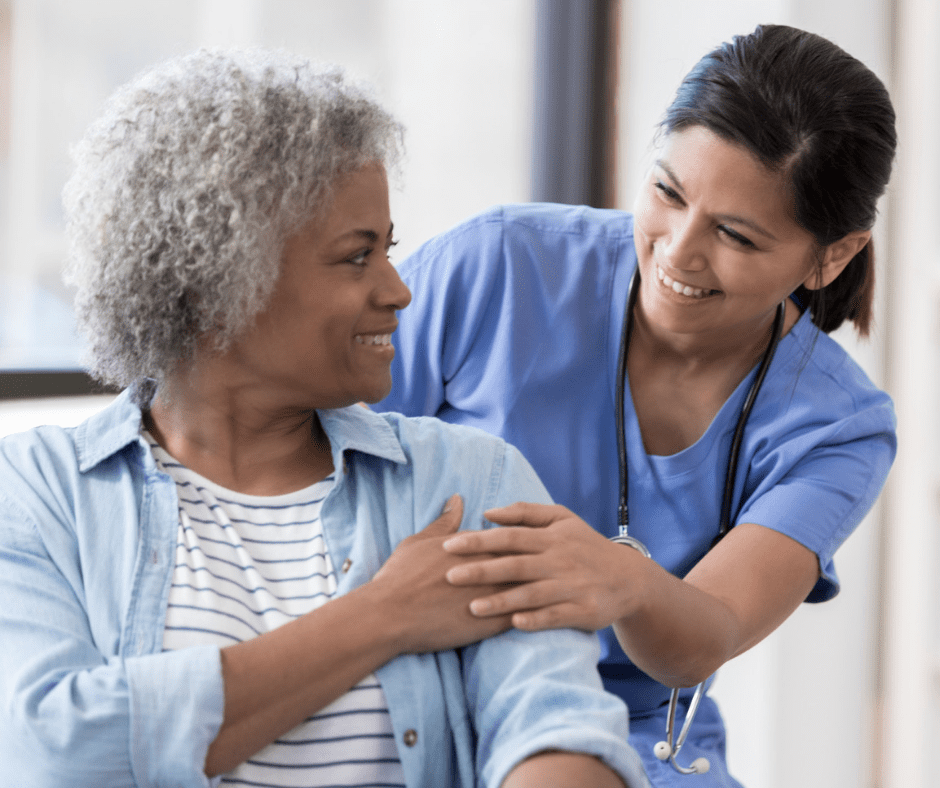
[648, 218]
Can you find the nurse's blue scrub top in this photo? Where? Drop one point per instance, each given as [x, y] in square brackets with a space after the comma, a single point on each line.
[515, 328]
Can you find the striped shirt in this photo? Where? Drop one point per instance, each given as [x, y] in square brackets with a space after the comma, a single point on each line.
[245, 565]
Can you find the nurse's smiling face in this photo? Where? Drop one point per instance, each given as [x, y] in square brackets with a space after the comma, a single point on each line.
[717, 245]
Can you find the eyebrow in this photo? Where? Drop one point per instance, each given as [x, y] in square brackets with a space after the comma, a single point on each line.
[370, 235]
[723, 217]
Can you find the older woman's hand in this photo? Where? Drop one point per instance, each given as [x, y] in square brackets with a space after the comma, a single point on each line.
[432, 613]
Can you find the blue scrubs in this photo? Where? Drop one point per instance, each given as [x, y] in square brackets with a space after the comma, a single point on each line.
[515, 328]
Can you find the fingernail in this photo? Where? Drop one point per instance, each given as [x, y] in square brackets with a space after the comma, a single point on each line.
[451, 503]
[480, 607]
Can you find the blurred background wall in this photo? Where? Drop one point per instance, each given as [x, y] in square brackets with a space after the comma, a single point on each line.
[844, 694]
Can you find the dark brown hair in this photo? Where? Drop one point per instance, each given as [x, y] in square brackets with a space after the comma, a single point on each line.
[806, 108]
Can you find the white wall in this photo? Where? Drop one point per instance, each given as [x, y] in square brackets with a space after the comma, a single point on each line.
[911, 692]
[458, 75]
[22, 415]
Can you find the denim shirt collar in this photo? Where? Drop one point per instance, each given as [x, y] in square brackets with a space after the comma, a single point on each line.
[352, 428]
[359, 429]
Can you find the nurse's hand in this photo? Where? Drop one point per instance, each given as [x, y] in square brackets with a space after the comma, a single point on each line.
[562, 572]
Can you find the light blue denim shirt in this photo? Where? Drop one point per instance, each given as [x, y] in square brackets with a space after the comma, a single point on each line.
[87, 538]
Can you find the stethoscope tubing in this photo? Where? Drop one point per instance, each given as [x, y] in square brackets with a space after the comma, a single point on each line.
[670, 748]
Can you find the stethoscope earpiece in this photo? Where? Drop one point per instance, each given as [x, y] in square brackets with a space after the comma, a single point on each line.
[664, 752]
[669, 748]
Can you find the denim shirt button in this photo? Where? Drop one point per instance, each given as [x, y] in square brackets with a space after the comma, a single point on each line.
[347, 564]
[410, 737]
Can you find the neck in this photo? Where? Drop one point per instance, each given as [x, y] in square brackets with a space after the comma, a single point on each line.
[238, 436]
[738, 349]
[679, 383]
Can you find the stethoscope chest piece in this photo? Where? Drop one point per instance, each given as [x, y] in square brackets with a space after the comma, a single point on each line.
[630, 541]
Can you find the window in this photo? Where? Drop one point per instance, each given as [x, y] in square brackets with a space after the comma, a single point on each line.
[457, 74]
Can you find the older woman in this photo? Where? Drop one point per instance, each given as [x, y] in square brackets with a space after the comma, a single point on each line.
[221, 576]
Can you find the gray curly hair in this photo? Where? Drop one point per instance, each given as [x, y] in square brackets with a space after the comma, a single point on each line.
[186, 189]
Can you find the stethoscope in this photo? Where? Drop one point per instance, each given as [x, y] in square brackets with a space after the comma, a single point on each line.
[669, 749]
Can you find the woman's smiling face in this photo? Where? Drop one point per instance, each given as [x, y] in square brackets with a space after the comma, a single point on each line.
[717, 245]
[324, 339]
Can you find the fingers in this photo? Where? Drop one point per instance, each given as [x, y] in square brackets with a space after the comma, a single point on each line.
[526, 597]
[448, 522]
[533, 515]
[495, 540]
[562, 615]
[496, 571]
[538, 606]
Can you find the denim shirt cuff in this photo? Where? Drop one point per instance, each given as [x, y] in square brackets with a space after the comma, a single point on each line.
[177, 703]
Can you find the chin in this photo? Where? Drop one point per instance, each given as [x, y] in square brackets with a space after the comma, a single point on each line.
[376, 394]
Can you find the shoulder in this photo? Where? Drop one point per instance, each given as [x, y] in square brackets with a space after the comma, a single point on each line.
[822, 443]
[525, 227]
[552, 218]
[40, 483]
[572, 220]
[425, 438]
[47, 452]
[445, 458]
[50, 464]
[830, 385]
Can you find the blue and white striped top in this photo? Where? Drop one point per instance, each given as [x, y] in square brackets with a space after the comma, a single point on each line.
[245, 565]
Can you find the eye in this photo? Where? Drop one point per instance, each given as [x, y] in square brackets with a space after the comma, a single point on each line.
[736, 237]
[359, 258]
[667, 192]
[388, 247]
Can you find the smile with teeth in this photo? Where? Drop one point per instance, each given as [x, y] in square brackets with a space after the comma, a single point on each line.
[374, 339]
[681, 288]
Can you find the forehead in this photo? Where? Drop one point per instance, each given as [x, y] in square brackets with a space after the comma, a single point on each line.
[358, 200]
[725, 174]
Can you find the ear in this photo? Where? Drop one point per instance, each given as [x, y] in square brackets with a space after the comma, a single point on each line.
[835, 258]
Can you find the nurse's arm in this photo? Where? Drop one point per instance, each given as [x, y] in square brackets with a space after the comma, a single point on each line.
[679, 631]
[739, 593]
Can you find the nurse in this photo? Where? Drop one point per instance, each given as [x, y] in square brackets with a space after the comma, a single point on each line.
[760, 203]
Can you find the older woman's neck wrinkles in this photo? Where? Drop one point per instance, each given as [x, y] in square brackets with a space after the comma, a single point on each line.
[240, 437]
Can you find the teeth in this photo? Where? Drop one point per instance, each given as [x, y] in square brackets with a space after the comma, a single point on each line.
[374, 339]
[678, 287]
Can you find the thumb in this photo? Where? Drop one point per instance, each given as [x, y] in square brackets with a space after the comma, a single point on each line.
[448, 522]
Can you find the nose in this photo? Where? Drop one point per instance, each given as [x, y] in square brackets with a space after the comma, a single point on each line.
[391, 291]
[684, 249]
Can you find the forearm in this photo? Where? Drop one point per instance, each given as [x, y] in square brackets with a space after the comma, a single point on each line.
[682, 631]
[562, 770]
[275, 681]
[675, 632]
